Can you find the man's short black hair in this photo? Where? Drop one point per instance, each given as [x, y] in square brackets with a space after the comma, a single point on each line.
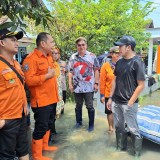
[41, 37]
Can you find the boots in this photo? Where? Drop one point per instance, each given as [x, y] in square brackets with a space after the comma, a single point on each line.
[78, 118]
[37, 150]
[91, 120]
[137, 146]
[121, 141]
[45, 143]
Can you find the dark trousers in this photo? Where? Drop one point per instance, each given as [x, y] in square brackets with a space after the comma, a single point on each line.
[44, 118]
[88, 98]
[64, 96]
[13, 138]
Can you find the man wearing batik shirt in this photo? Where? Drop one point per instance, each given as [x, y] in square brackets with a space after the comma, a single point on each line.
[83, 80]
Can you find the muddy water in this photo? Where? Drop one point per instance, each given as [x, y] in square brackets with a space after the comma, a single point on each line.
[99, 145]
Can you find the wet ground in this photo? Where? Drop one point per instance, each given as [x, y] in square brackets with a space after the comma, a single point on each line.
[98, 145]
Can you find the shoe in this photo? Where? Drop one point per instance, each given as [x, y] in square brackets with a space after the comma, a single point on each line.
[91, 128]
[78, 125]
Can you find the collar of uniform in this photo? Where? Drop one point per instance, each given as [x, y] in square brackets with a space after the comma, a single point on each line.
[11, 62]
[38, 52]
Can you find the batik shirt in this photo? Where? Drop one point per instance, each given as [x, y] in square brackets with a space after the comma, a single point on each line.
[83, 69]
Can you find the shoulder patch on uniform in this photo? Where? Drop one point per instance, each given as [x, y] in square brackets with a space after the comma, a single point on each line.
[26, 67]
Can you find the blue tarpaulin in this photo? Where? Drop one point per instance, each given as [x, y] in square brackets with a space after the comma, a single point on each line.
[149, 122]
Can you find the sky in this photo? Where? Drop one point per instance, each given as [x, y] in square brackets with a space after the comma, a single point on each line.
[155, 15]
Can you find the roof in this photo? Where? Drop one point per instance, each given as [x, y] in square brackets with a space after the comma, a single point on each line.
[150, 24]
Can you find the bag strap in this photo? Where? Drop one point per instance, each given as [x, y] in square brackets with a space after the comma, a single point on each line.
[16, 72]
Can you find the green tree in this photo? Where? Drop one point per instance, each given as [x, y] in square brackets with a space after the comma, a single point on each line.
[16, 10]
[100, 21]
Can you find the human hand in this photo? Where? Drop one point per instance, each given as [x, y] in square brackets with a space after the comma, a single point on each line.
[130, 104]
[102, 100]
[71, 87]
[2, 123]
[51, 73]
[108, 105]
[96, 87]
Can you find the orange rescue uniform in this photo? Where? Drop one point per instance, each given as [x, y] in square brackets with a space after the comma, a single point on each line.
[43, 92]
[106, 78]
[12, 94]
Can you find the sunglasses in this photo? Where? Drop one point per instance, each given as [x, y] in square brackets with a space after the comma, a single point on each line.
[79, 45]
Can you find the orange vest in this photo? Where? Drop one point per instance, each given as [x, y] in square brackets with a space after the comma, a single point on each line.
[106, 77]
[12, 94]
[43, 92]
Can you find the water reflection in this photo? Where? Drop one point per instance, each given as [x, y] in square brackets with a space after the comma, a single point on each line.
[98, 145]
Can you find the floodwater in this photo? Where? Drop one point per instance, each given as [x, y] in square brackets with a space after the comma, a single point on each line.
[98, 145]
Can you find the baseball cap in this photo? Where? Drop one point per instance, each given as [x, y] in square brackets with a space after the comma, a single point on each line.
[5, 33]
[114, 49]
[126, 40]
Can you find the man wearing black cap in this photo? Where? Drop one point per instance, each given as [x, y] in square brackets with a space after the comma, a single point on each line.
[13, 104]
[126, 87]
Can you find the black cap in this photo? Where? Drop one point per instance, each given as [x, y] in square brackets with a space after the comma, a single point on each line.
[126, 40]
[5, 33]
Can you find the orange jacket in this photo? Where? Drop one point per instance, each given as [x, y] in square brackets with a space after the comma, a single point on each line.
[106, 77]
[43, 92]
[12, 93]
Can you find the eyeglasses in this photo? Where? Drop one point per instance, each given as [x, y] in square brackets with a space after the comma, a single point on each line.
[79, 45]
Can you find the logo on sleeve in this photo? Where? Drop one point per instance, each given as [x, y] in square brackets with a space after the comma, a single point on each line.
[25, 67]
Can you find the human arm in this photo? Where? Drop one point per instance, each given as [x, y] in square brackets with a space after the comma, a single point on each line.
[70, 81]
[96, 84]
[111, 93]
[96, 73]
[140, 77]
[136, 93]
[103, 77]
[70, 74]
[32, 77]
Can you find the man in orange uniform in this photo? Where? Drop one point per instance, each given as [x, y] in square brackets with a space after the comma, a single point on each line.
[40, 77]
[13, 124]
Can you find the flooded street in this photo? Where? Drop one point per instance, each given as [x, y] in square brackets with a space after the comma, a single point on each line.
[98, 145]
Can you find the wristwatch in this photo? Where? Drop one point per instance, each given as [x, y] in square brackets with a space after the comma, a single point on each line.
[110, 97]
[96, 83]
